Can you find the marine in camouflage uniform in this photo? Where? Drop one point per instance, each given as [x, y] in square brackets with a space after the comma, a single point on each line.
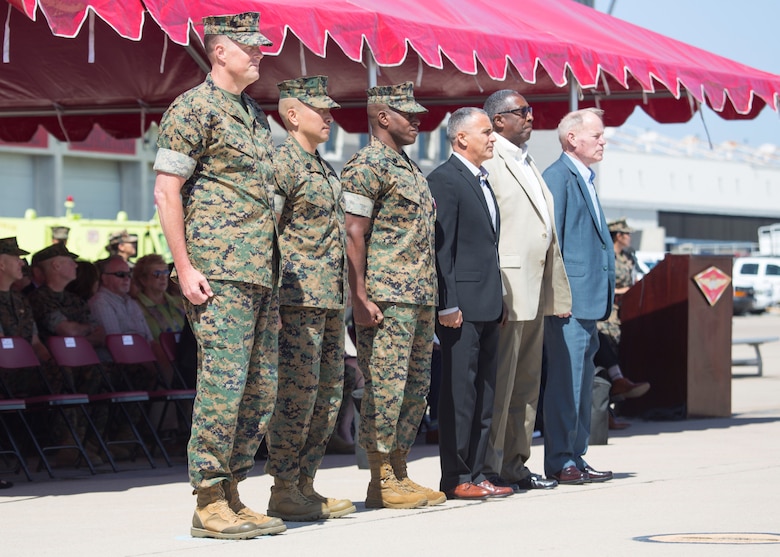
[59, 312]
[392, 274]
[215, 150]
[609, 330]
[312, 241]
[52, 306]
[16, 320]
[624, 279]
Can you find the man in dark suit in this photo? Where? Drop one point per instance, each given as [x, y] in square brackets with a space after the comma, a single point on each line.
[470, 304]
[570, 343]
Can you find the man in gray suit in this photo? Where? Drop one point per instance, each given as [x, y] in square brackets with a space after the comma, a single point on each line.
[536, 285]
[571, 342]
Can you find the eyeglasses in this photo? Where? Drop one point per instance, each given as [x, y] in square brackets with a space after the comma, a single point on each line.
[121, 274]
[522, 111]
[159, 273]
[408, 116]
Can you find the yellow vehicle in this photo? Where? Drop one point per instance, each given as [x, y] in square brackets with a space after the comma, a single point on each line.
[87, 237]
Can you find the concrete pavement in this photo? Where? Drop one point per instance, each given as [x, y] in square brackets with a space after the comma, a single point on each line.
[696, 478]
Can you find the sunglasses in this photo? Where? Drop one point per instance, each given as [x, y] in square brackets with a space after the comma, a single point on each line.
[158, 274]
[121, 274]
[523, 111]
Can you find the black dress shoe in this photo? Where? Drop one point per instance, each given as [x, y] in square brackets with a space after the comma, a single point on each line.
[535, 481]
[596, 476]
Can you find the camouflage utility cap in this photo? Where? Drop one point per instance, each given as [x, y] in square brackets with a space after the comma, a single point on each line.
[122, 237]
[60, 232]
[620, 225]
[242, 28]
[310, 90]
[8, 246]
[399, 97]
[51, 252]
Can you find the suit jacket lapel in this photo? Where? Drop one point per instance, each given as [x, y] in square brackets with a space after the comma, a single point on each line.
[600, 225]
[514, 168]
[473, 183]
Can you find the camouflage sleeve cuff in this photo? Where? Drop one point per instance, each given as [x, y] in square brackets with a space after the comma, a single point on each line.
[279, 203]
[172, 162]
[358, 204]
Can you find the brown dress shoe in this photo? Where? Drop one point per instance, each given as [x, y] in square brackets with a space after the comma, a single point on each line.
[596, 476]
[570, 476]
[494, 490]
[623, 388]
[468, 490]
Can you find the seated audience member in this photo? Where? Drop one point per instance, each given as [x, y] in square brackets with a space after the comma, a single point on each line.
[16, 318]
[61, 313]
[163, 312]
[87, 280]
[57, 311]
[609, 330]
[112, 305]
[118, 313]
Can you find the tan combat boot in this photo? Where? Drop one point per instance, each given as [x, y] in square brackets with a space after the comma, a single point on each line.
[398, 461]
[336, 507]
[214, 519]
[266, 524]
[288, 503]
[384, 490]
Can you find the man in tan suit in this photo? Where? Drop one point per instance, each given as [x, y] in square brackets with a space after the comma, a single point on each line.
[536, 285]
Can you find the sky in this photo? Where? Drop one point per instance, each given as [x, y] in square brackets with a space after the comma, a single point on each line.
[743, 30]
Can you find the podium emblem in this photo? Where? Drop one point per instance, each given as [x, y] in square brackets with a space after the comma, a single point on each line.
[713, 283]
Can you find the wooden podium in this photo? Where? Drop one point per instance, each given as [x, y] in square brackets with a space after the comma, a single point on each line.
[675, 339]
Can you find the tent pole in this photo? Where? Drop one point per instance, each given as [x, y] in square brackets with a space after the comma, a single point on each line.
[574, 101]
[371, 69]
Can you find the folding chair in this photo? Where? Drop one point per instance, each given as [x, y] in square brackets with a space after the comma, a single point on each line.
[133, 349]
[17, 356]
[16, 406]
[77, 352]
[169, 342]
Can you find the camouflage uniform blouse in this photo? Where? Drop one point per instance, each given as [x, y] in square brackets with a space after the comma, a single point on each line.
[52, 308]
[229, 225]
[624, 269]
[624, 276]
[16, 316]
[312, 236]
[389, 188]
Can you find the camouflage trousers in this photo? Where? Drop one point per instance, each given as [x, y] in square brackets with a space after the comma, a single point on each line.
[311, 386]
[611, 328]
[236, 332]
[395, 359]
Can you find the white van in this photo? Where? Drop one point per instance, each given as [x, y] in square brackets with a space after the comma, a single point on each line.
[763, 274]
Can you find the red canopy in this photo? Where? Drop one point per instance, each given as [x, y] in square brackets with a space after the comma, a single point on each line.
[119, 64]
